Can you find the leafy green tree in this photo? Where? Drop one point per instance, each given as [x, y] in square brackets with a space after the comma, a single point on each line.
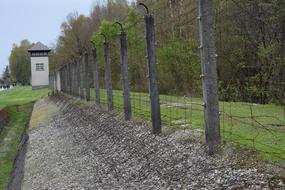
[19, 62]
[6, 75]
[136, 51]
[250, 46]
[110, 31]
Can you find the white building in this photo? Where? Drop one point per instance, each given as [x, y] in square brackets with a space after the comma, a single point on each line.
[39, 65]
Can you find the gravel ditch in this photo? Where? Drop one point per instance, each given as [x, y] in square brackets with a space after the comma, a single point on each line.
[89, 149]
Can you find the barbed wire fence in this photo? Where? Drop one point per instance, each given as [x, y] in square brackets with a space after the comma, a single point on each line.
[247, 124]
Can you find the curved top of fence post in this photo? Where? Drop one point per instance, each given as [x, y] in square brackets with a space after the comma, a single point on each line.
[146, 8]
[121, 26]
[105, 37]
[93, 46]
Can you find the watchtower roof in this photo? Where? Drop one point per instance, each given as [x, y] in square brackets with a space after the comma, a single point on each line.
[39, 47]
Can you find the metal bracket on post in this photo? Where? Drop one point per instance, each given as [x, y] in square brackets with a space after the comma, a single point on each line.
[105, 37]
[146, 8]
[121, 26]
[152, 72]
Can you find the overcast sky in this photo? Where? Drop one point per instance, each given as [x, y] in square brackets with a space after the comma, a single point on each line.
[35, 20]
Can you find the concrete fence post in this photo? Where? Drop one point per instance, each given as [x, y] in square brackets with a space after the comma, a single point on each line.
[96, 76]
[125, 77]
[49, 81]
[108, 76]
[81, 78]
[209, 75]
[72, 79]
[152, 73]
[87, 76]
[61, 79]
[58, 80]
[69, 78]
[76, 79]
[66, 78]
[55, 81]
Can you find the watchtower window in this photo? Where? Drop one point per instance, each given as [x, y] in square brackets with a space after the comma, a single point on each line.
[40, 67]
[39, 54]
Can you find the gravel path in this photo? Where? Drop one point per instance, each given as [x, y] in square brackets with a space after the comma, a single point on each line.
[88, 149]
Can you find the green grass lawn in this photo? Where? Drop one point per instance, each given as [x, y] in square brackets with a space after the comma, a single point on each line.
[21, 95]
[18, 102]
[261, 127]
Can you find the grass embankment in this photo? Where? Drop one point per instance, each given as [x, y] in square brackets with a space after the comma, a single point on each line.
[19, 102]
[21, 95]
[255, 126]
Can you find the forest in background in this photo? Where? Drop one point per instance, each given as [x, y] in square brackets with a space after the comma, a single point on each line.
[250, 40]
[19, 63]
